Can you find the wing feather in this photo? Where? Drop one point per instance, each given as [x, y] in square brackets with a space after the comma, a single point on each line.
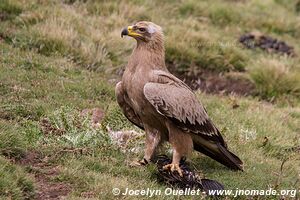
[176, 101]
[126, 108]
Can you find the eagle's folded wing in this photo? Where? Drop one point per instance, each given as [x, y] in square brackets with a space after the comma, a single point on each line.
[126, 108]
[173, 99]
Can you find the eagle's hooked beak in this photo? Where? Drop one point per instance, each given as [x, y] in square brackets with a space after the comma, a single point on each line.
[129, 31]
[124, 32]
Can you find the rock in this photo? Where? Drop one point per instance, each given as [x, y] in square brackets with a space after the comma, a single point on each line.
[97, 115]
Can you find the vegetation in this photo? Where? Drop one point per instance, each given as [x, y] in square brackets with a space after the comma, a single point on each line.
[60, 57]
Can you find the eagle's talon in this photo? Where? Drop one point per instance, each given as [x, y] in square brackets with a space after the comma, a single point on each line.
[173, 167]
[138, 163]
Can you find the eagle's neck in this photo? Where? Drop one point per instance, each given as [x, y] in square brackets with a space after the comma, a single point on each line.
[149, 56]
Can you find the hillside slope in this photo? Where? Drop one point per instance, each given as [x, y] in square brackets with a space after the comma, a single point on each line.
[60, 57]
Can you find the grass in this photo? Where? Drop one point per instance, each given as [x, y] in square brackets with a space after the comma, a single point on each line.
[206, 34]
[14, 182]
[60, 57]
[275, 78]
[9, 10]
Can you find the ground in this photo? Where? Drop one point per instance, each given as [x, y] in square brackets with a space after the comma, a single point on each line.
[61, 59]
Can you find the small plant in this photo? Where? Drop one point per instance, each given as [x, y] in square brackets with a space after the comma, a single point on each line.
[75, 130]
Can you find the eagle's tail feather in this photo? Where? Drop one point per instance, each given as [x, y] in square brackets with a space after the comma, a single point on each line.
[220, 154]
[234, 162]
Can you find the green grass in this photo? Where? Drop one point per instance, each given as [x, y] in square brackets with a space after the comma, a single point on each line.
[15, 183]
[206, 34]
[9, 9]
[60, 57]
[276, 78]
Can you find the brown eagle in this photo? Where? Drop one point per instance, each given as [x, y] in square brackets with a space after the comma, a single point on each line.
[164, 106]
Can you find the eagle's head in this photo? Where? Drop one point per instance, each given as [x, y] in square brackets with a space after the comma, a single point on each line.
[144, 31]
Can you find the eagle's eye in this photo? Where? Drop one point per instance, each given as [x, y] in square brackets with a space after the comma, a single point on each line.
[142, 29]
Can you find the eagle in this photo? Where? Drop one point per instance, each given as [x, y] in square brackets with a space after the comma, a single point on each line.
[164, 106]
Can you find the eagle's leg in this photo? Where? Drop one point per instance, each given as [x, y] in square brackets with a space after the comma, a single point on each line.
[152, 142]
[174, 166]
[182, 144]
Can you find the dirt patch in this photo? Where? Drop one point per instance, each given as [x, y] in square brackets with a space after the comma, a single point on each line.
[48, 128]
[3, 16]
[4, 36]
[44, 174]
[217, 83]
